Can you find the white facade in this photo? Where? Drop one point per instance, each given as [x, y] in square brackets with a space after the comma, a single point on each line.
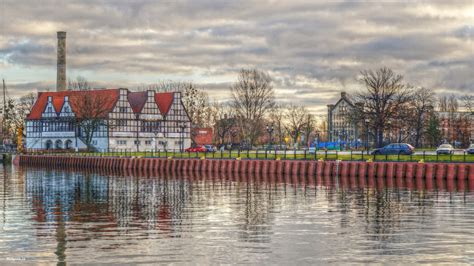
[137, 121]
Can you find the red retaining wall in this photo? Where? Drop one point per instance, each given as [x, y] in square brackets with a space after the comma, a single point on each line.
[312, 171]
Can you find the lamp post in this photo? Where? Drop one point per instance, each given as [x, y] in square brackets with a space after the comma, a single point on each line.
[400, 133]
[367, 133]
[233, 133]
[317, 139]
[389, 131]
[270, 131]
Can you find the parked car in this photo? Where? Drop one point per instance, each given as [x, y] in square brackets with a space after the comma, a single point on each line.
[470, 150]
[245, 146]
[210, 148]
[395, 149]
[445, 149]
[198, 148]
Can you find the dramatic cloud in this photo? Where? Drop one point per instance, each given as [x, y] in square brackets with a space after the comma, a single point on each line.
[312, 50]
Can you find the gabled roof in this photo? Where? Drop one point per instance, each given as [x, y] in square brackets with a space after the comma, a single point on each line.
[137, 100]
[110, 97]
[345, 99]
[164, 100]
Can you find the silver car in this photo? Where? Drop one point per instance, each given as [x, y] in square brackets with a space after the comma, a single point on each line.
[445, 149]
[470, 150]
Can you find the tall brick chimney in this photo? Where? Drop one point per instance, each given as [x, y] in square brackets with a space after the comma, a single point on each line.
[61, 74]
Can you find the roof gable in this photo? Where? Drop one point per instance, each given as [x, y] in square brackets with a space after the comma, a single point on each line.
[110, 97]
[137, 100]
[164, 100]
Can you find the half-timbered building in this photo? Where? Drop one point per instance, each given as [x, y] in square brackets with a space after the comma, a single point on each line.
[108, 120]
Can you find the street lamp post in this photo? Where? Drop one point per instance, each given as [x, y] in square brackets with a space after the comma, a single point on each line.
[367, 132]
[389, 131]
[400, 133]
[270, 131]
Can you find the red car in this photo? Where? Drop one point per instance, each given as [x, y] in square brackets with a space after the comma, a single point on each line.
[198, 148]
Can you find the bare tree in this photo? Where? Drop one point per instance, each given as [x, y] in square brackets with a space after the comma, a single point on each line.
[253, 98]
[443, 104]
[296, 118]
[421, 106]
[224, 123]
[309, 126]
[385, 95]
[468, 102]
[79, 84]
[91, 111]
[453, 104]
[196, 103]
[277, 117]
[15, 114]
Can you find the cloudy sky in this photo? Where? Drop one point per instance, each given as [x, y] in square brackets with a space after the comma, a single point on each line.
[312, 49]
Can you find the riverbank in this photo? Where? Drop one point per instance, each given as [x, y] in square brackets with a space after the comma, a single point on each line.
[426, 156]
[299, 168]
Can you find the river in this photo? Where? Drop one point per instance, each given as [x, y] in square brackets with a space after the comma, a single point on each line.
[55, 216]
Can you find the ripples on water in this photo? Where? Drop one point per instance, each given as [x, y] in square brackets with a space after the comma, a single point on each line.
[54, 216]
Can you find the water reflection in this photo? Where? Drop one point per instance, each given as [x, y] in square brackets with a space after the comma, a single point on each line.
[85, 217]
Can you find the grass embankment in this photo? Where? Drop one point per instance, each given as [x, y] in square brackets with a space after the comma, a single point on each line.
[290, 155]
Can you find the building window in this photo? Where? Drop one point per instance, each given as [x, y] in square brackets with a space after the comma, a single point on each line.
[122, 123]
[123, 109]
[121, 142]
[147, 142]
[94, 142]
[151, 126]
[136, 142]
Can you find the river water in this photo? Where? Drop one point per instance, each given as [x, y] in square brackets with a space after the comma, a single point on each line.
[55, 216]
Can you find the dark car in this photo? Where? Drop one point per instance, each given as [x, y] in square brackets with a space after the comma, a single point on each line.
[470, 150]
[395, 149]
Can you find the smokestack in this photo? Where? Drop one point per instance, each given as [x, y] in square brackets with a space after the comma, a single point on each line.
[61, 78]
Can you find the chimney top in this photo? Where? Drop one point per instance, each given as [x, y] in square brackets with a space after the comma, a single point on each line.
[343, 94]
[61, 34]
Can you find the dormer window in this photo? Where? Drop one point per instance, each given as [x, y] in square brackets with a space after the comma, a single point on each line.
[67, 109]
[50, 109]
[123, 109]
[50, 99]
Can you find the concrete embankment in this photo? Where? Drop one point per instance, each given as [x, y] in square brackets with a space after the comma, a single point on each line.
[294, 168]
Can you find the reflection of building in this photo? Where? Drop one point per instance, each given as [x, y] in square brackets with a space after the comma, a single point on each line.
[340, 125]
[456, 126]
[125, 120]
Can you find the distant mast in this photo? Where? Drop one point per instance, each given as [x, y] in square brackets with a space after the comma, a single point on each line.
[4, 108]
[61, 64]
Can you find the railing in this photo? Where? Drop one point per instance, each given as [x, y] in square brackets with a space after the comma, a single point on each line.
[426, 156]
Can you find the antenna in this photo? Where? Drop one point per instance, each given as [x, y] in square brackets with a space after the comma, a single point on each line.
[4, 108]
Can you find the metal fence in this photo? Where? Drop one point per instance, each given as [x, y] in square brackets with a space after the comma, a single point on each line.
[426, 156]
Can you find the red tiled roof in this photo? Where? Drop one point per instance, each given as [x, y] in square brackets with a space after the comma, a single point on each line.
[164, 101]
[137, 100]
[110, 97]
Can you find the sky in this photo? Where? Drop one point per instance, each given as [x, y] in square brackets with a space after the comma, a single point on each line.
[313, 50]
